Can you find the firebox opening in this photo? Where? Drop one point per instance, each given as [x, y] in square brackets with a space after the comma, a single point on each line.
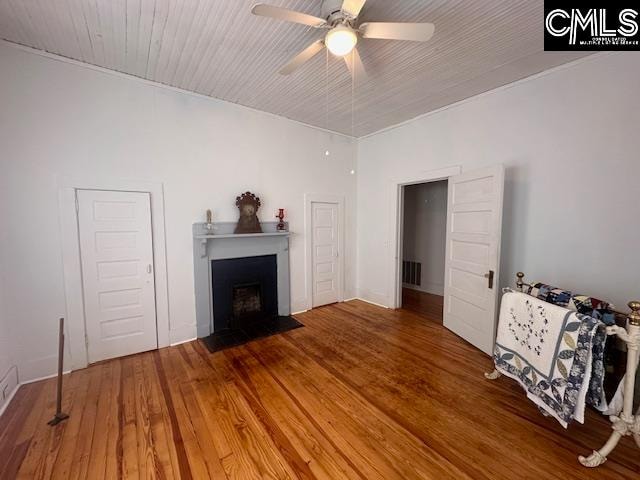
[247, 301]
[245, 291]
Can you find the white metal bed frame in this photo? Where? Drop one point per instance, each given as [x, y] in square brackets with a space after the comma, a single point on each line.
[626, 423]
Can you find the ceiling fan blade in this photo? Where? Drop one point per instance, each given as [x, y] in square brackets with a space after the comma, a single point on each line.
[416, 32]
[355, 66]
[353, 7]
[304, 56]
[287, 15]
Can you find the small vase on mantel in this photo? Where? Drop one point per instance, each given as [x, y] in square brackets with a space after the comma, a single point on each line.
[281, 226]
[209, 225]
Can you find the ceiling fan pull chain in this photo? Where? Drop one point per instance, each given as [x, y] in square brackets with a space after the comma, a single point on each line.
[353, 86]
[326, 120]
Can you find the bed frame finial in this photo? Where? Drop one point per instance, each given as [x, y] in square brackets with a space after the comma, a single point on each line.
[519, 282]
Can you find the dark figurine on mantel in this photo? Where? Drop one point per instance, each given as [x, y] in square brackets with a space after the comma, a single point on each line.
[248, 204]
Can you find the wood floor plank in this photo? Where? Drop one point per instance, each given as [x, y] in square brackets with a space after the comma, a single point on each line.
[15, 413]
[22, 430]
[254, 453]
[360, 392]
[128, 428]
[198, 430]
[423, 303]
[300, 438]
[148, 462]
[33, 464]
[100, 455]
[51, 438]
[360, 428]
[190, 462]
[72, 427]
[393, 390]
[160, 422]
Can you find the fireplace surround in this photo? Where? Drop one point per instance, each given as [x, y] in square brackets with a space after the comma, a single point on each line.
[248, 273]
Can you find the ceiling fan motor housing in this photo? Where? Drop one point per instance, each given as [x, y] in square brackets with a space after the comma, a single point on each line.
[332, 11]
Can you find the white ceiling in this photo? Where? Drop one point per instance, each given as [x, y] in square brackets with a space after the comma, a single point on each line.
[217, 48]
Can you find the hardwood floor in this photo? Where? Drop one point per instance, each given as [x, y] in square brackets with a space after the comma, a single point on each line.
[422, 303]
[360, 392]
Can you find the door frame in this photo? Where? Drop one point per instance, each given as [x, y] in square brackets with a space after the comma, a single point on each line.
[309, 199]
[396, 201]
[70, 237]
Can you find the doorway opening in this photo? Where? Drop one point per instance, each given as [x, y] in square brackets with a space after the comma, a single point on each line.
[472, 252]
[423, 248]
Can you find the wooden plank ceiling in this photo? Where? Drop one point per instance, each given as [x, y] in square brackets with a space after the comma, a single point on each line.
[217, 48]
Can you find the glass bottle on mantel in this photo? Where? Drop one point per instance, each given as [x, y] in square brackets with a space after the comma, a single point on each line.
[209, 225]
[280, 215]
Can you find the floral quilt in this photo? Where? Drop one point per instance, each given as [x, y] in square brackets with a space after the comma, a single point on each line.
[580, 303]
[554, 353]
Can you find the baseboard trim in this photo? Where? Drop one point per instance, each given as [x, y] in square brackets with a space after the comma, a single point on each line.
[23, 383]
[9, 399]
[183, 341]
[428, 287]
[46, 377]
[346, 300]
[10, 377]
[370, 302]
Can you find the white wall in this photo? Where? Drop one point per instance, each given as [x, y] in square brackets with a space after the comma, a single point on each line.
[58, 119]
[6, 338]
[7, 334]
[424, 232]
[569, 141]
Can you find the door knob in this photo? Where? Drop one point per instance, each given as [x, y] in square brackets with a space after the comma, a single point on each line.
[489, 277]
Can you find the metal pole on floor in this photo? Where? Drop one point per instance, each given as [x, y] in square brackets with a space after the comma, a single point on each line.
[59, 416]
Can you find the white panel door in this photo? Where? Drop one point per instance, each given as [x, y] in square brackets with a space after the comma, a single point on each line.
[117, 272]
[326, 268]
[474, 223]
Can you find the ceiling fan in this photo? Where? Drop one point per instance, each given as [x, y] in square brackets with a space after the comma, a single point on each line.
[340, 18]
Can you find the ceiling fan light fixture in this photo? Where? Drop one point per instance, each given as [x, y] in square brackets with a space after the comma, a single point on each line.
[341, 40]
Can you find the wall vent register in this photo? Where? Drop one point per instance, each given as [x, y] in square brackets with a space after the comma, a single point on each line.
[411, 273]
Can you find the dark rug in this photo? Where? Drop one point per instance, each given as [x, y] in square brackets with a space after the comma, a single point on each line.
[232, 338]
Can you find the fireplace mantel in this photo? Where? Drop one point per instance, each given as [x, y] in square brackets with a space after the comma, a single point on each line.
[210, 237]
[240, 235]
[217, 241]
